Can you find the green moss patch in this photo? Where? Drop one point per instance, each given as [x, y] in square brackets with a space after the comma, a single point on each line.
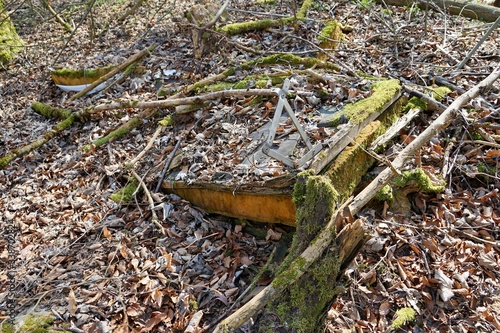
[356, 113]
[330, 37]
[126, 194]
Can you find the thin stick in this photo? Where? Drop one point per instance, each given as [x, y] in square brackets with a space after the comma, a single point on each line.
[112, 73]
[154, 217]
[481, 41]
[191, 100]
[148, 146]
[167, 165]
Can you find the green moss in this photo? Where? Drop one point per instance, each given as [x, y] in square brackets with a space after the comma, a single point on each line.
[330, 35]
[385, 194]
[356, 113]
[308, 299]
[49, 111]
[10, 42]
[487, 169]
[304, 301]
[353, 162]
[284, 277]
[241, 27]
[366, 4]
[7, 327]
[167, 121]
[403, 316]
[301, 14]
[78, 73]
[419, 179]
[126, 194]
[34, 323]
[116, 134]
[290, 60]
[439, 93]
[415, 103]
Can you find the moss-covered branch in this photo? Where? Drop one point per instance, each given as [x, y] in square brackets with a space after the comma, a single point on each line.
[241, 27]
[132, 59]
[116, 134]
[19, 152]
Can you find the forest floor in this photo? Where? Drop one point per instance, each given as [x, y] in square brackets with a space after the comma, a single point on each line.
[103, 267]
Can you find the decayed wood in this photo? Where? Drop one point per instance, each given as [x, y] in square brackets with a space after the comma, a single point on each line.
[344, 136]
[474, 10]
[324, 239]
[395, 128]
[438, 125]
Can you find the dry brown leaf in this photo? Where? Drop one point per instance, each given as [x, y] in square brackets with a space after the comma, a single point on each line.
[72, 304]
[107, 233]
[273, 235]
[155, 319]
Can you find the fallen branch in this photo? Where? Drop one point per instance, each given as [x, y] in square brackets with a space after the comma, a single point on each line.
[131, 11]
[438, 125]
[154, 217]
[474, 49]
[324, 240]
[66, 25]
[190, 100]
[24, 150]
[134, 58]
[473, 10]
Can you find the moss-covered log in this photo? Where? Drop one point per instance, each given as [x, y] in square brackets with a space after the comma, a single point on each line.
[10, 42]
[304, 302]
[241, 27]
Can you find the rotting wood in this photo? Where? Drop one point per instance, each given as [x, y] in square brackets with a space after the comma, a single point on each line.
[345, 135]
[439, 124]
[241, 27]
[324, 240]
[255, 200]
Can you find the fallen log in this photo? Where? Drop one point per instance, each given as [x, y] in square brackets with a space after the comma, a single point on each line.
[299, 266]
[473, 10]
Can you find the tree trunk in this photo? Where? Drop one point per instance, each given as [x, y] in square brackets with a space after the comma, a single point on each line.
[10, 42]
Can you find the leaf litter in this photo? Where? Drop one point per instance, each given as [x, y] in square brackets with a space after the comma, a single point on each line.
[102, 267]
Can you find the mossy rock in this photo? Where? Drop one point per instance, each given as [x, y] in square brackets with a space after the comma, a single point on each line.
[10, 42]
[75, 77]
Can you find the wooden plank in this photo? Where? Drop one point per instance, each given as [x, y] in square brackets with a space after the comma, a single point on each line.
[344, 136]
[269, 208]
